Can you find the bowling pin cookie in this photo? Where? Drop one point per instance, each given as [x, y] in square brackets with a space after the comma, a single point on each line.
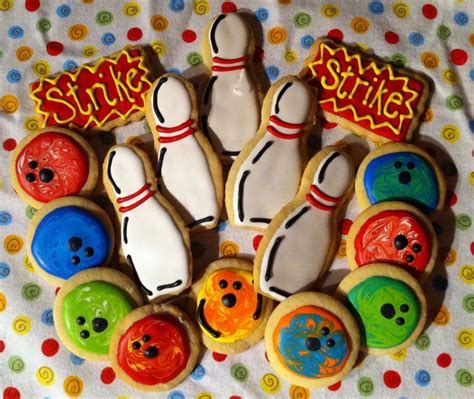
[389, 304]
[299, 245]
[154, 347]
[52, 163]
[88, 308]
[155, 241]
[312, 340]
[401, 172]
[231, 95]
[189, 172]
[69, 235]
[395, 233]
[231, 315]
[267, 173]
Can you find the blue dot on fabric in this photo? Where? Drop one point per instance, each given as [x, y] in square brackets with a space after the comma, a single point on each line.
[471, 126]
[376, 7]
[198, 373]
[262, 14]
[221, 226]
[176, 71]
[307, 41]
[16, 32]
[416, 38]
[13, 76]
[440, 283]
[47, 317]
[461, 18]
[4, 270]
[69, 65]
[177, 5]
[272, 72]
[5, 218]
[471, 74]
[175, 395]
[108, 39]
[76, 360]
[422, 378]
[63, 11]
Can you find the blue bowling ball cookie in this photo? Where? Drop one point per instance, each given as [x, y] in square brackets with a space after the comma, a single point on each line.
[70, 239]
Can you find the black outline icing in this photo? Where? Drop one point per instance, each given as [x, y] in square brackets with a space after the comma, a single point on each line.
[271, 257]
[325, 166]
[160, 162]
[295, 218]
[204, 126]
[240, 197]
[267, 145]
[109, 174]
[208, 90]
[212, 33]
[155, 99]
[203, 322]
[279, 291]
[172, 285]
[199, 221]
[137, 277]
[261, 220]
[230, 153]
[280, 95]
[258, 310]
[124, 229]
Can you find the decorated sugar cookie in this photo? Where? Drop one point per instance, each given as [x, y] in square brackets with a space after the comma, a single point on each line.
[69, 235]
[52, 163]
[88, 308]
[267, 173]
[155, 347]
[389, 305]
[231, 314]
[95, 97]
[400, 172]
[230, 101]
[299, 244]
[396, 233]
[155, 241]
[365, 94]
[189, 171]
[312, 340]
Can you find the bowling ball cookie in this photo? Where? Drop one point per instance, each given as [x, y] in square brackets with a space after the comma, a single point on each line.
[401, 172]
[155, 347]
[389, 305]
[53, 163]
[396, 233]
[69, 235]
[231, 315]
[312, 340]
[88, 308]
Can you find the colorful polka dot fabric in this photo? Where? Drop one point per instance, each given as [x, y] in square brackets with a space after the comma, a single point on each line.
[40, 37]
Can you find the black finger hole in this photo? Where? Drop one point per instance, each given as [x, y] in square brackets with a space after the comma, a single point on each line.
[237, 285]
[223, 284]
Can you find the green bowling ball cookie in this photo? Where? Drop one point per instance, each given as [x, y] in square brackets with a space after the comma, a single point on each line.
[90, 313]
[388, 310]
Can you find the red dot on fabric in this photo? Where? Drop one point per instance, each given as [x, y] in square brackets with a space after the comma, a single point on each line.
[11, 393]
[327, 125]
[458, 56]
[472, 248]
[452, 198]
[429, 11]
[256, 241]
[107, 375]
[57, 290]
[335, 387]
[228, 7]
[50, 347]
[134, 34]
[259, 54]
[9, 144]
[344, 226]
[444, 360]
[392, 379]
[266, 357]
[189, 36]
[235, 397]
[32, 5]
[336, 34]
[391, 37]
[2, 346]
[54, 48]
[219, 357]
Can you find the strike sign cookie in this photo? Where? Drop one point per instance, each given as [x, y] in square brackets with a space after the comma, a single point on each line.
[366, 95]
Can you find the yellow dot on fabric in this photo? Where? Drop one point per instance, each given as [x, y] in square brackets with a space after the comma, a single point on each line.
[27, 264]
[430, 60]
[229, 249]
[442, 317]
[6, 5]
[465, 338]
[41, 68]
[401, 10]
[78, 32]
[450, 257]
[270, 383]
[24, 53]
[21, 325]
[3, 302]
[13, 244]
[399, 356]
[32, 123]
[1, 184]
[429, 115]
[297, 392]
[466, 274]
[290, 56]
[329, 11]
[360, 25]
[277, 35]
[341, 251]
[450, 77]
[131, 9]
[159, 23]
[73, 386]
[450, 133]
[9, 103]
[471, 179]
[159, 48]
[204, 395]
[89, 51]
[45, 376]
[201, 7]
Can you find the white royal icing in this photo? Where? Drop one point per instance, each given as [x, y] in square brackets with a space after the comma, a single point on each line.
[266, 181]
[186, 178]
[151, 240]
[230, 102]
[300, 255]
